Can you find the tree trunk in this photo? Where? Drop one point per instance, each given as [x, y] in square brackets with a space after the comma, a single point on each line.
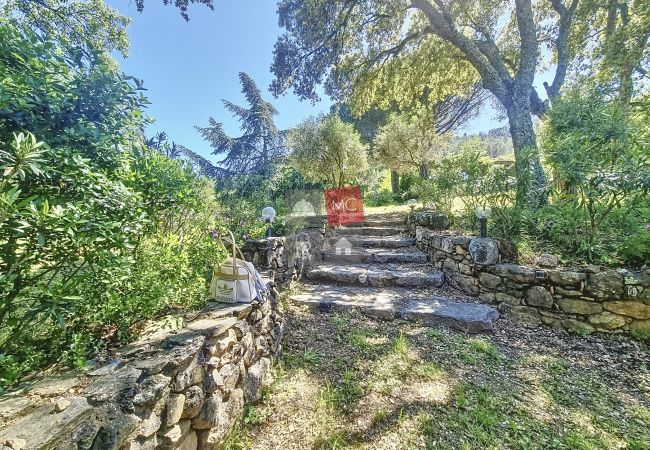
[394, 182]
[531, 180]
[424, 171]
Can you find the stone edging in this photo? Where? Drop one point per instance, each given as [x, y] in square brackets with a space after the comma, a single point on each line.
[169, 390]
[583, 300]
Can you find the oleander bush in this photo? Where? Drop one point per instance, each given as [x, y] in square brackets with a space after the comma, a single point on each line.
[97, 232]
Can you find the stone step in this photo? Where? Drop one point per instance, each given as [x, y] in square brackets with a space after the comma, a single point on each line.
[378, 275]
[368, 231]
[359, 255]
[401, 303]
[374, 241]
[380, 222]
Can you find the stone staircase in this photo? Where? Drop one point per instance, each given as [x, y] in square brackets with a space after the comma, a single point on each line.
[376, 268]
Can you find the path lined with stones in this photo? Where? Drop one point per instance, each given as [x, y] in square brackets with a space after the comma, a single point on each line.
[377, 269]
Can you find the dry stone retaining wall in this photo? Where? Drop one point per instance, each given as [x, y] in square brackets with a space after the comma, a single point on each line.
[170, 390]
[583, 299]
[286, 257]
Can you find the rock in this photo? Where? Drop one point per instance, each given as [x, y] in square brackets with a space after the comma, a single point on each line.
[16, 443]
[151, 390]
[213, 381]
[116, 431]
[148, 443]
[108, 368]
[61, 404]
[256, 378]
[567, 292]
[548, 261]
[507, 250]
[637, 310]
[575, 326]
[501, 297]
[605, 285]
[171, 438]
[575, 306]
[487, 297]
[468, 284]
[174, 411]
[229, 374]
[538, 296]
[484, 251]
[607, 321]
[524, 314]
[112, 385]
[566, 277]
[193, 402]
[191, 376]
[468, 317]
[209, 414]
[488, 280]
[516, 272]
[640, 329]
[189, 442]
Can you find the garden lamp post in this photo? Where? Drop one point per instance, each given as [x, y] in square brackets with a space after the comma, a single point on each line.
[268, 214]
[483, 212]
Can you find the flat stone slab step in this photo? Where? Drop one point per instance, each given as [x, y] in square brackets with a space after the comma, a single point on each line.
[373, 241]
[380, 222]
[374, 275]
[368, 231]
[373, 255]
[390, 304]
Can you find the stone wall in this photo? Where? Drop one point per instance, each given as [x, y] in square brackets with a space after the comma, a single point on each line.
[285, 258]
[583, 299]
[181, 389]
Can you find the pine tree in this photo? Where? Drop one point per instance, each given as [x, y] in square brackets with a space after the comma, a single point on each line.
[261, 143]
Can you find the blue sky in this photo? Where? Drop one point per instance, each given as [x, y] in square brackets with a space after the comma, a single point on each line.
[188, 67]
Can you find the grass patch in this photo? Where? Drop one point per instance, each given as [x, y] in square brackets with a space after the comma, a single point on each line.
[308, 359]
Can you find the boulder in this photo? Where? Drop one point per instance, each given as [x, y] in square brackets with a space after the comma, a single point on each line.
[566, 277]
[521, 274]
[193, 401]
[174, 411]
[637, 310]
[548, 261]
[607, 321]
[605, 285]
[575, 306]
[484, 251]
[524, 314]
[488, 280]
[502, 297]
[640, 329]
[538, 296]
[256, 378]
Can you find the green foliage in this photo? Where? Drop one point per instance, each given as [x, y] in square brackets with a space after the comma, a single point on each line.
[328, 150]
[379, 198]
[97, 232]
[598, 153]
[409, 143]
[261, 143]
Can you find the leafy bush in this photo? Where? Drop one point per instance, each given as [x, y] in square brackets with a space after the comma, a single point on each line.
[97, 232]
[379, 198]
[598, 154]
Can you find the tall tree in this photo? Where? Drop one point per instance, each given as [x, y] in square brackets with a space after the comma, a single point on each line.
[352, 40]
[261, 143]
[409, 143]
[612, 36]
[327, 149]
